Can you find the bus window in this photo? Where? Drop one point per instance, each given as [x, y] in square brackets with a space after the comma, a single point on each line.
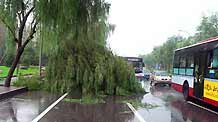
[182, 66]
[175, 70]
[215, 58]
[176, 65]
[182, 62]
[190, 61]
[190, 65]
[176, 61]
[212, 71]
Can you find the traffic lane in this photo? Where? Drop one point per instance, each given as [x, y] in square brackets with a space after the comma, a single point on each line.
[110, 111]
[171, 107]
[25, 107]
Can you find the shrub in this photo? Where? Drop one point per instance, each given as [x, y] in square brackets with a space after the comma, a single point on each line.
[32, 83]
[87, 99]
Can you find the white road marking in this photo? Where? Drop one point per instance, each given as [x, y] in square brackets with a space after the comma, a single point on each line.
[202, 107]
[49, 108]
[135, 112]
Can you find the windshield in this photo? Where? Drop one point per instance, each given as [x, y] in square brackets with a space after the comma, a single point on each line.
[161, 74]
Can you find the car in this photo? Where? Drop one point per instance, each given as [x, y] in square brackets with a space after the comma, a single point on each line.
[160, 77]
[139, 76]
[147, 75]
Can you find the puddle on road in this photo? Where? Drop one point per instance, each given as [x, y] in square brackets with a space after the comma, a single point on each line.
[110, 111]
[167, 106]
[171, 107]
[25, 107]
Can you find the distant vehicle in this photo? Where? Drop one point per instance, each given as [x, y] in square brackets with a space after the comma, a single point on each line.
[195, 71]
[160, 77]
[147, 74]
[137, 64]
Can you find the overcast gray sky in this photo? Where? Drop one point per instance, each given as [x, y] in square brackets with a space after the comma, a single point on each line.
[143, 24]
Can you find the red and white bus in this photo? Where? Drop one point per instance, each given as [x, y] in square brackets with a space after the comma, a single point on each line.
[195, 71]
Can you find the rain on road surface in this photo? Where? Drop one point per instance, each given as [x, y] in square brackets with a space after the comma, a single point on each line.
[25, 107]
[167, 106]
[172, 107]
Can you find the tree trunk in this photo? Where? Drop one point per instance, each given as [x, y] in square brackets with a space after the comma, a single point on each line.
[13, 67]
[115, 90]
[104, 85]
[40, 59]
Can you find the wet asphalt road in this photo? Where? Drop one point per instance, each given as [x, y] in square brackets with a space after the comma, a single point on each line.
[107, 112]
[164, 105]
[25, 107]
[172, 107]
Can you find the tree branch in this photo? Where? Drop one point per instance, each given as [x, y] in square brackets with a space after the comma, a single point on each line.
[23, 23]
[19, 17]
[9, 28]
[22, 11]
[30, 37]
[27, 2]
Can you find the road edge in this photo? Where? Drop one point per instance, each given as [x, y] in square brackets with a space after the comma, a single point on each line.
[49, 108]
[139, 117]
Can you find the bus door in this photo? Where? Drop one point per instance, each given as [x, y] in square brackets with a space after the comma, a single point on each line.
[200, 63]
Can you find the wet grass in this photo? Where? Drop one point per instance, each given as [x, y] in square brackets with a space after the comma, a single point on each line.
[32, 83]
[86, 100]
[31, 70]
[125, 112]
[138, 104]
[168, 98]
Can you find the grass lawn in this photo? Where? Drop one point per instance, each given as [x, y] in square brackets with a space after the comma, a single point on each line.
[30, 70]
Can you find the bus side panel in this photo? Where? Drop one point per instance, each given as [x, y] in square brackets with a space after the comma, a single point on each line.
[211, 91]
[178, 81]
[212, 102]
[177, 87]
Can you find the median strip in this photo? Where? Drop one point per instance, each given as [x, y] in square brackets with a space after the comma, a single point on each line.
[49, 108]
[135, 112]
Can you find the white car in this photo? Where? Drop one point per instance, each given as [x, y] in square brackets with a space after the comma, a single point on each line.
[160, 77]
[139, 76]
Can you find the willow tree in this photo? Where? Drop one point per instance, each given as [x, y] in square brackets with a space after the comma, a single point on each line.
[76, 46]
[20, 18]
[78, 43]
[62, 17]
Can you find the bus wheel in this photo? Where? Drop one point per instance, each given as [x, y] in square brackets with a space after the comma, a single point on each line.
[186, 91]
[151, 83]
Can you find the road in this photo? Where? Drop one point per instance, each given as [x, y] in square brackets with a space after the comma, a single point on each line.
[171, 107]
[163, 104]
[25, 107]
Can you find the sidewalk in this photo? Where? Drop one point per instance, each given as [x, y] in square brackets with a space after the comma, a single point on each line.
[7, 92]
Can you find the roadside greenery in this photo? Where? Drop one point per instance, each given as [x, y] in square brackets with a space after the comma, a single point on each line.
[79, 59]
[86, 100]
[74, 34]
[32, 83]
[163, 54]
[111, 77]
[136, 103]
[32, 70]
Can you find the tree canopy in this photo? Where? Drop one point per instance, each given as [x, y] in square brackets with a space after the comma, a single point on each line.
[163, 55]
[74, 34]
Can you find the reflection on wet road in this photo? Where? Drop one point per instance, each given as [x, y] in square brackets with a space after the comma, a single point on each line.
[74, 112]
[162, 104]
[171, 107]
[25, 107]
